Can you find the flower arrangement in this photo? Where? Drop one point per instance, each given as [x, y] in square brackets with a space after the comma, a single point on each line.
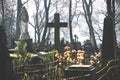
[77, 56]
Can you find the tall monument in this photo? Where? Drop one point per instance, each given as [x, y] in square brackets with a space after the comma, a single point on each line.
[24, 34]
[24, 18]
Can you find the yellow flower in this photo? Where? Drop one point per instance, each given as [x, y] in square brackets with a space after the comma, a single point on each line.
[67, 48]
[73, 51]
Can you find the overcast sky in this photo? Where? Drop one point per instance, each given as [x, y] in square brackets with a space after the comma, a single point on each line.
[79, 29]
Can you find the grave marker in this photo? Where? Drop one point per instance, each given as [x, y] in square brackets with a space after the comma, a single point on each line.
[24, 18]
[81, 72]
[76, 38]
[57, 24]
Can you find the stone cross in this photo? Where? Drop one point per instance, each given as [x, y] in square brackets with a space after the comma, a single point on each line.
[76, 38]
[57, 24]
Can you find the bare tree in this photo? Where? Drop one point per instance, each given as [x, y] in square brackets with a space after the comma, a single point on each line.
[19, 7]
[39, 20]
[70, 20]
[37, 30]
[88, 9]
[10, 21]
[47, 7]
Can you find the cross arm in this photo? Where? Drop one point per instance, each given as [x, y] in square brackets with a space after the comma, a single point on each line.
[50, 25]
[62, 24]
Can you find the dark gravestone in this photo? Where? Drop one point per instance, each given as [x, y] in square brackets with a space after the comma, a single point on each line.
[76, 38]
[13, 43]
[74, 45]
[29, 45]
[75, 42]
[108, 45]
[62, 44]
[87, 71]
[57, 24]
[88, 48]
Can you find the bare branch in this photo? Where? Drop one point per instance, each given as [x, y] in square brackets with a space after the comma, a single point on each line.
[98, 35]
[31, 24]
[25, 2]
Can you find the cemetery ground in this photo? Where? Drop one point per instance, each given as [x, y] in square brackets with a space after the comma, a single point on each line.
[70, 65]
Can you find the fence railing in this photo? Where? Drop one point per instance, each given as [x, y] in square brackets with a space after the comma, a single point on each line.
[54, 71]
[36, 71]
[110, 69]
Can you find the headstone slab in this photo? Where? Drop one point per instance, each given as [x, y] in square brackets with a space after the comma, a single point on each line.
[82, 67]
[80, 70]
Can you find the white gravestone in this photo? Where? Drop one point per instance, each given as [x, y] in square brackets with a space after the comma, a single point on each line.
[24, 18]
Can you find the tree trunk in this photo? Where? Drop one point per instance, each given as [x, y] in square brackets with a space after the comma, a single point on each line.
[5, 61]
[36, 21]
[70, 22]
[87, 7]
[19, 6]
[92, 40]
[47, 15]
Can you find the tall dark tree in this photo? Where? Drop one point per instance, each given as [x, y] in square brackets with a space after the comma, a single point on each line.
[47, 4]
[19, 6]
[70, 20]
[5, 61]
[109, 37]
[9, 17]
[37, 30]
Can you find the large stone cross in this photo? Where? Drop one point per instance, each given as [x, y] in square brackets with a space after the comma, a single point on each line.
[57, 24]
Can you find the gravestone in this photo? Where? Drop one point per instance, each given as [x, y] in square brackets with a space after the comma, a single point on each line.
[88, 48]
[109, 41]
[24, 34]
[62, 44]
[76, 44]
[76, 38]
[57, 24]
[80, 70]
